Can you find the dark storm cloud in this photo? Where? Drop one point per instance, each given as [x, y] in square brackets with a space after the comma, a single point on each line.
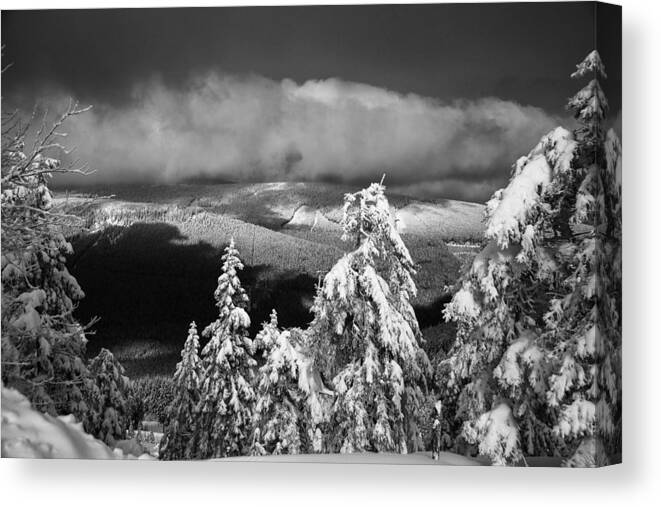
[520, 52]
[170, 99]
[253, 128]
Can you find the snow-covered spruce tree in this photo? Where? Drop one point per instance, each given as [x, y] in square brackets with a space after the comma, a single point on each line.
[43, 346]
[280, 402]
[109, 398]
[183, 411]
[520, 348]
[227, 396]
[583, 323]
[365, 336]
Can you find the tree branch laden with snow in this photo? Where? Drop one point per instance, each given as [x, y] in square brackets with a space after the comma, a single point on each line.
[538, 311]
[365, 336]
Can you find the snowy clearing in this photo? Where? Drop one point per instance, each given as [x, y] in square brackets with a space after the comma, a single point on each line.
[373, 458]
[366, 458]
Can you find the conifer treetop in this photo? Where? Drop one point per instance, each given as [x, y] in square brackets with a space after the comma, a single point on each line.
[366, 216]
[590, 106]
[229, 292]
[190, 360]
[591, 65]
[231, 298]
[192, 339]
[266, 337]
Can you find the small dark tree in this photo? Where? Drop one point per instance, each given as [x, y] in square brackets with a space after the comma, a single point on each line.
[110, 399]
[183, 411]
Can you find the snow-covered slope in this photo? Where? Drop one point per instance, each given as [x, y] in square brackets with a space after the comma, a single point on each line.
[309, 218]
[450, 219]
[447, 220]
[27, 433]
[290, 206]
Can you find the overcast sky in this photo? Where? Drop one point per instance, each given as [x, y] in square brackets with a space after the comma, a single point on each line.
[443, 98]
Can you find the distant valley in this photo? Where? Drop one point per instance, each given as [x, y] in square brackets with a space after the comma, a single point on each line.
[152, 254]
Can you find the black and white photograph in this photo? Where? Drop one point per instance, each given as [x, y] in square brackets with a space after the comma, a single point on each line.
[350, 234]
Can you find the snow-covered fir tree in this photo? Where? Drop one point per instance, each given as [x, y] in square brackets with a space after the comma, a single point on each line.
[227, 395]
[183, 411]
[110, 399]
[365, 336]
[280, 426]
[584, 326]
[267, 337]
[43, 346]
[526, 307]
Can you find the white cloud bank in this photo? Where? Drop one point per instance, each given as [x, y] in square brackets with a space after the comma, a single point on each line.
[253, 128]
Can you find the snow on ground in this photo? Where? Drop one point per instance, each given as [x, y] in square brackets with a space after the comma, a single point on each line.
[544, 461]
[308, 217]
[27, 433]
[368, 458]
[372, 458]
[454, 219]
[142, 442]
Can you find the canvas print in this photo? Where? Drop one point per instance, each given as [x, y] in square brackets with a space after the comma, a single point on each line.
[351, 234]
